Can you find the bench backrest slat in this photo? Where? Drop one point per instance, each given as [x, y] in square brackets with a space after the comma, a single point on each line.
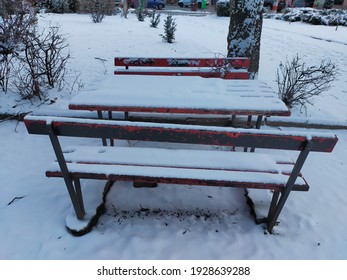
[188, 134]
[237, 62]
[225, 68]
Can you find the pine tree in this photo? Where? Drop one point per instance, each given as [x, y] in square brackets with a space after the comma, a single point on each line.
[169, 29]
[155, 19]
[140, 15]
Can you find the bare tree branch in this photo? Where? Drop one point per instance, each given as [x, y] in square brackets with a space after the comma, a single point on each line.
[299, 84]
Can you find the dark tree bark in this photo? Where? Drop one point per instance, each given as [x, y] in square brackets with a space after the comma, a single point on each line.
[246, 21]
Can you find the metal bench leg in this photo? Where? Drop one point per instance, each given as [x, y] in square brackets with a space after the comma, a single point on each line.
[74, 191]
[78, 191]
[275, 211]
[110, 118]
[249, 121]
[104, 143]
[257, 126]
[258, 123]
[233, 120]
[273, 204]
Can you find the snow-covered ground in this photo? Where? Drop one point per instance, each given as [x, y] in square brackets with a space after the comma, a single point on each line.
[179, 222]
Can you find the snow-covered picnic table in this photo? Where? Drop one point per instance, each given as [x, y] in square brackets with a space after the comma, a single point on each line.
[150, 166]
[181, 95]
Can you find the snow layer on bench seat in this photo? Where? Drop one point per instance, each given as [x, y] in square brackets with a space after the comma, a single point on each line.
[196, 159]
[107, 171]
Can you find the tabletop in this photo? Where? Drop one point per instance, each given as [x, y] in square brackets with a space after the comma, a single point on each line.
[191, 95]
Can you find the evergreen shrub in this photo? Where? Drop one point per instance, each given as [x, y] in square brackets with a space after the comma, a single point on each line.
[223, 8]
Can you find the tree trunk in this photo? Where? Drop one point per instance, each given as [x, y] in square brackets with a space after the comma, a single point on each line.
[246, 21]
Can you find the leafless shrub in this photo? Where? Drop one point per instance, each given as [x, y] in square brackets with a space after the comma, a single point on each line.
[74, 83]
[28, 83]
[32, 61]
[42, 64]
[299, 84]
[98, 9]
[5, 71]
[17, 24]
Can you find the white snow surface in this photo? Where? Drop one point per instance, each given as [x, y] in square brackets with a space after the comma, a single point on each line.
[173, 222]
[184, 92]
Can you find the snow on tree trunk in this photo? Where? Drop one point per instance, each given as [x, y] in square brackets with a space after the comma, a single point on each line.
[245, 26]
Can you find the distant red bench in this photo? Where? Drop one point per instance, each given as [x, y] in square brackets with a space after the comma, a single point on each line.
[225, 68]
[222, 168]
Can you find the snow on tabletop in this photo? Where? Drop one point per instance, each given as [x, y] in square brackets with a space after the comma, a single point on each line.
[182, 92]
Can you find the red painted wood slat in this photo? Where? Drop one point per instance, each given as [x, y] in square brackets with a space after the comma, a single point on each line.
[236, 63]
[179, 134]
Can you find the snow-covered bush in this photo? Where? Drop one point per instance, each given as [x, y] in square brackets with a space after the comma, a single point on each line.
[223, 8]
[332, 17]
[59, 6]
[287, 16]
[328, 4]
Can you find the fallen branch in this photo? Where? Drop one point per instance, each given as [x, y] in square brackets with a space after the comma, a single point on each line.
[16, 198]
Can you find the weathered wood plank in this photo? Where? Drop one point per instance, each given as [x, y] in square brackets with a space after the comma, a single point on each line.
[181, 134]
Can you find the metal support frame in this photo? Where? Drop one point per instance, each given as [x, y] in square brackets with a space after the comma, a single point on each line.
[249, 120]
[249, 124]
[277, 204]
[258, 123]
[104, 143]
[257, 126]
[73, 186]
[110, 118]
[104, 140]
[233, 120]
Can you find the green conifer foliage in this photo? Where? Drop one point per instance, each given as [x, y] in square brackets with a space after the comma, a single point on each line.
[169, 29]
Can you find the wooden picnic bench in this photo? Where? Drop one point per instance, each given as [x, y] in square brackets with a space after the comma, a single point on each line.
[197, 166]
[225, 68]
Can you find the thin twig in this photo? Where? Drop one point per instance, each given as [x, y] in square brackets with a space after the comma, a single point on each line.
[16, 198]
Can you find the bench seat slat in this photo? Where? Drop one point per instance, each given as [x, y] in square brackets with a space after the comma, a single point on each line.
[180, 158]
[170, 175]
[240, 75]
[140, 70]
